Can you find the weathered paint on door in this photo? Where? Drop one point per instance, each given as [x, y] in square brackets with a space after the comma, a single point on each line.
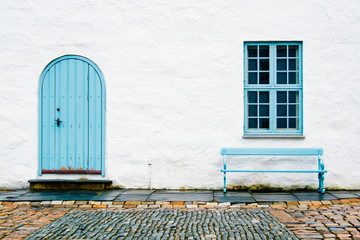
[72, 117]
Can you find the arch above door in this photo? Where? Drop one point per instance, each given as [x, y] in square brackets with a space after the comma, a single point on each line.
[72, 117]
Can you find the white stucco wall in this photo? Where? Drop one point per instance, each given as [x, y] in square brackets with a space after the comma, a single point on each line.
[174, 85]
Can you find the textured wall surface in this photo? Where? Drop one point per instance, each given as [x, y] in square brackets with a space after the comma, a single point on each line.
[174, 85]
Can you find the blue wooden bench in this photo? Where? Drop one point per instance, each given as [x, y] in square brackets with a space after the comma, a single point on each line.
[277, 152]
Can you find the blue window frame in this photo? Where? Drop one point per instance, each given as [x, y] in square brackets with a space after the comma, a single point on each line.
[273, 88]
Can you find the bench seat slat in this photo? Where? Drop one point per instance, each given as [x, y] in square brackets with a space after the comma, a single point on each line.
[272, 151]
[278, 171]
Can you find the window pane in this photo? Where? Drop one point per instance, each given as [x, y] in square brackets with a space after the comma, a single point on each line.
[252, 122]
[264, 51]
[281, 110]
[252, 51]
[293, 110]
[293, 64]
[253, 110]
[252, 97]
[264, 123]
[281, 123]
[264, 110]
[252, 64]
[264, 78]
[294, 123]
[264, 97]
[294, 51]
[264, 64]
[281, 78]
[252, 78]
[281, 51]
[281, 97]
[293, 77]
[281, 64]
[293, 97]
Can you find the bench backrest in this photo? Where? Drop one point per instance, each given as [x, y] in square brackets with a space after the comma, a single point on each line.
[273, 151]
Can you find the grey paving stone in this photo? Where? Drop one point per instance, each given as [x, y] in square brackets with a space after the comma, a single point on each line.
[13, 192]
[11, 195]
[173, 195]
[106, 195]
[343, 194]
[271, 193]
[77, 196]
[183, 192]
[339, 191]
[38, 196]
[165, 224]
[112, 192]
[232, 194]
[200, 197]
[273, 197]
[355, 192]
[67, 195]
[313, 196]
[135, 192]
[316, 198]
[8, 198]
[132, 197]
[234, 199]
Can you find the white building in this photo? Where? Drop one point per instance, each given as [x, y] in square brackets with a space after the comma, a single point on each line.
[180, 80]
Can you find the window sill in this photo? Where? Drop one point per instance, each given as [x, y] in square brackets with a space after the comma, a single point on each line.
[275, 136]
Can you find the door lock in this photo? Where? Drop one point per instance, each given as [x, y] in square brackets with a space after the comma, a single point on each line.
[58, 122]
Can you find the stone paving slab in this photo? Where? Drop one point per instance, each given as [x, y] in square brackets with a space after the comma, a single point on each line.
[8, 195]
[181, 197]
[132, 197]
[313, 196]
[270, 197]
[183, 192]
[343, 194]
[138, 191]
[234, 197]
[78, 196]
[173, 195]
[233, 193]
[13, 192]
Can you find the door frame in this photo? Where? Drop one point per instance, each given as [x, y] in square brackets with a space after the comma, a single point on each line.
[103, 106]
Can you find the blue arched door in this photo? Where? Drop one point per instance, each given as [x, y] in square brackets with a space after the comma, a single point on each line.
[71, 117]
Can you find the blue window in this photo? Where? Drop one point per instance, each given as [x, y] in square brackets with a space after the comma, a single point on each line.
[273, 88]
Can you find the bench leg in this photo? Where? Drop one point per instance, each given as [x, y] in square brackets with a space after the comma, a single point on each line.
[321, 188]
[224, 183]
[224, 163]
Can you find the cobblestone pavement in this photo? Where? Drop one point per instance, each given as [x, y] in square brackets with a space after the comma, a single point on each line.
[334, 219]
[166, 224]
[18, 221]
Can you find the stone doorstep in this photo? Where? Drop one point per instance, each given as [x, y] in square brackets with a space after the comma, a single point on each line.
[60, 184]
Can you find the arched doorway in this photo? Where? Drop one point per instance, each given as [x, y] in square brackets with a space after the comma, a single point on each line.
[71, 117]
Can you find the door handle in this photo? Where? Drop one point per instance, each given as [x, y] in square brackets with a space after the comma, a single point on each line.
[58, 122]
